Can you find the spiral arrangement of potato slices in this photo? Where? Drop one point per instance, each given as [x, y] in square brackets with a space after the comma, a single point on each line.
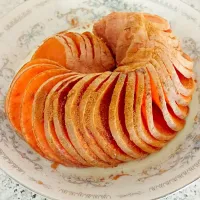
[98, 100]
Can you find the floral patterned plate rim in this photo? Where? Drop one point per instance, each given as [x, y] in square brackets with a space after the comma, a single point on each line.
[174, 167]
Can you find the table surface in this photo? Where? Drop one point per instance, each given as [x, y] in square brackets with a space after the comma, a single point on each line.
[11, 190]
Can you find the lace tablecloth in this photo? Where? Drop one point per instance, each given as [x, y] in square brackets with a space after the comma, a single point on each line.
[11, 190]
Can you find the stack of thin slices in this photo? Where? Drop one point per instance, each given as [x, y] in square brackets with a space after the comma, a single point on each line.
[103, 98]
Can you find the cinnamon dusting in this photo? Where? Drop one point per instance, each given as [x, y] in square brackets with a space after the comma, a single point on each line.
[54, 165]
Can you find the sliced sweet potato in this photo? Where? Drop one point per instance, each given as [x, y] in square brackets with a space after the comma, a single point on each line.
[185, 60]
[134, 85]
[158, 97]
[158, 21]
[76, 42]
[38, 118]
[54, 48]
[95, 118]
[39, 61]
[184, 87]
[131, 45]
[16, 92]
[128, 44]
[181, 88]
[153, 116]
[103, 119]
[169, 89]
[89, 51]
[71, 53]
[80, 58]
[81, 63]
[123, 43]
[26, 115]
[89, 43]
[110, 27]
[34, 62]
[130, 67]
[162, 38]
[60, 138]
[75, 51]
[179, 67]
[142, 55]
[82, 51]
[72, 121]
[28, 64]
[96, 51]
[85, 113]
[82, 47]
[142, 128]
[117, 120]
[83, 60]
[107, 62]
[102, 60]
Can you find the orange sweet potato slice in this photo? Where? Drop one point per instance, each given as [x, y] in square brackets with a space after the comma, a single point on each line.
[81, 63]
[131, 45]
[82, 50]
[134, 85]
[72, 52]
[28, 64]
[181, 65]
[153, 116]
[107, 62]
[39, 61]
[89, 51]
[185, 60]
[59, 137]
[129, 112]
[72, 121]
[95, 118]
[169, 89]
[174, 51]
[183, 70]
[53, 49]
[75, 51]
[75, 42]
[26, 120]
[142, 129]
[34, 62]
[16, 92]
[162, 38]
[158, 97]
[79, 44]
[184, 89]
[50, 126]
[124, 43]
[117, 120]
[158, 21]
[102, 59]
[96, 51]
[142, 55]
[38, 118]
[130, 67]
[85, 113]
[85, 48]
[90, 45]
[110, 27]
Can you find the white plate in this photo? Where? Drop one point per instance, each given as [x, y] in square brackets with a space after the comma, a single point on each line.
[175, 166]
